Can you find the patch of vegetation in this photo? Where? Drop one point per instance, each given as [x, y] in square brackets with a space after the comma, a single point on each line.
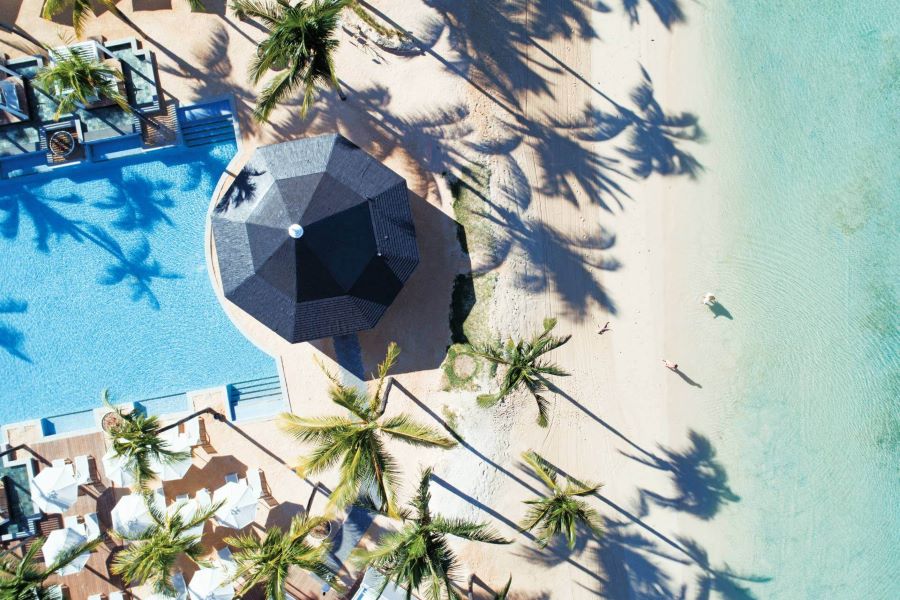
[470, 301]
[470, 193]
[367, 18]
[460, 369]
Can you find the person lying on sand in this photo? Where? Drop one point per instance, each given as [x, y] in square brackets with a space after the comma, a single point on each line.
[670, 365]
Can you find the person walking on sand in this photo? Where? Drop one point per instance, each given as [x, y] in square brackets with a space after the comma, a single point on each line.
[670, 365]
[709, 299]
[604, 329]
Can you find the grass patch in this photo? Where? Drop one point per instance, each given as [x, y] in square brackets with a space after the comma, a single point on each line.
[470, 302]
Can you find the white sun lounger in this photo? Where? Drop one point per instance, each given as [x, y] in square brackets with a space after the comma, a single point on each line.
[192, 431]
[202, 496]
[116, 596]
[92, 526]
[83, 472]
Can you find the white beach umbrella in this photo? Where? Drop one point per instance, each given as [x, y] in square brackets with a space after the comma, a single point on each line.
[130, 516]
[62, 540]
[239, 507]
[188, 509]
[118, 469]
[180, 589]
[55, 490]
[210, 584]
[177, 469]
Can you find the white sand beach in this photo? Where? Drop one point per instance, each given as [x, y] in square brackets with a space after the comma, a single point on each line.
[534, 91]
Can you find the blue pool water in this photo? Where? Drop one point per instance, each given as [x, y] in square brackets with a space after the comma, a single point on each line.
[103, 283]
[810, 265]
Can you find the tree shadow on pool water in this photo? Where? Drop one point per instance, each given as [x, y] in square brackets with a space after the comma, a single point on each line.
[12, 340]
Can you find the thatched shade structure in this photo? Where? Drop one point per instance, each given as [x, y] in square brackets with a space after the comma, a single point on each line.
[314, 238]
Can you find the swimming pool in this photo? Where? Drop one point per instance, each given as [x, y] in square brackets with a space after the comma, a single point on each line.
[103, 283]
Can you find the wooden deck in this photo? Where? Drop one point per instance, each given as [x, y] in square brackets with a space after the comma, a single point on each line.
[230, 450]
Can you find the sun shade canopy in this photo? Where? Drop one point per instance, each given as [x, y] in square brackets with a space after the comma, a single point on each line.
[314, 238]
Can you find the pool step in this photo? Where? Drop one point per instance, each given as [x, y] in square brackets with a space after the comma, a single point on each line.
[210, 130]
[256, 398]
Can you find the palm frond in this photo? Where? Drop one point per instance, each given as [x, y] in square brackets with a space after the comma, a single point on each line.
[393, 351]
[541, 468]
[469, 530]
[404, 428]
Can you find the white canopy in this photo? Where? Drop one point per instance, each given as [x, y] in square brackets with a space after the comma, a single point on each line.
[239, 508]
[180, 589]
[118, 469]
[187, 509]
[210, 584]
[55, 490]
[60, 541]
[130, 516]
[177, 469]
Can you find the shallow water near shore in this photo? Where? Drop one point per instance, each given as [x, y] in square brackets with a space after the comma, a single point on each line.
[810, 257]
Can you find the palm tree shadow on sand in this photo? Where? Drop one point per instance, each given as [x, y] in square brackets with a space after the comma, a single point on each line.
[700, 480]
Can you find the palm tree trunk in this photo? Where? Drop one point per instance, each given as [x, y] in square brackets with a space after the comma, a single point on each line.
[337, 86]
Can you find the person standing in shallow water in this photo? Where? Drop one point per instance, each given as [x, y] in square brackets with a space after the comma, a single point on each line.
[709, 299]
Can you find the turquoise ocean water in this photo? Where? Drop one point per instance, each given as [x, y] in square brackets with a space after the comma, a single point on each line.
[812, 265]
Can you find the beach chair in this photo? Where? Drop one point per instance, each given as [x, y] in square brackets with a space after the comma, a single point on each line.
[86, 470]
[59, 462]
[256, 479]
[203, 497]
[74, 523]
[192, 432]
[117, 595]
[4, 504]
[95, 597]
[179, 584]
[92, 526]
[226, 561]
[159, 499]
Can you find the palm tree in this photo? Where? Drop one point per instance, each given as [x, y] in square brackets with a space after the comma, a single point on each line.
[357, 441]
[150, 555]
[267, 561]
[524, 367]
[136, 437]
[23, 578]
[74, 81]
[419, 554]
[301, 42]
[560, 512]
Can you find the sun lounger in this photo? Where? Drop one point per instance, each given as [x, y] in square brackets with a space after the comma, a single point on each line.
[117, 595]
[92, 526]
[59, 462]
[192, 431]
[73, 523]
[95, 597]
[226, 560]
[256, 479]
[85, 470]
[202, 496]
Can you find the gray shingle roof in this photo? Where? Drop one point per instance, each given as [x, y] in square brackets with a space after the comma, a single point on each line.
[357, 249]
